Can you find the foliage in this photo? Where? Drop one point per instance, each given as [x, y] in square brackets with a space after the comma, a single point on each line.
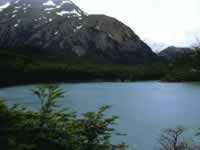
[172, 139]
[32, 69]
[52, 128]
[185, 69]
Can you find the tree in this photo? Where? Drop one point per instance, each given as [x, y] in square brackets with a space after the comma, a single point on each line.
[97, 130]
[172, 139]
[54, 128]
[47, 94]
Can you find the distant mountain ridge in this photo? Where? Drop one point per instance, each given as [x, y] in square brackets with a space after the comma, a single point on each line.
[172, 53]
[59, 28]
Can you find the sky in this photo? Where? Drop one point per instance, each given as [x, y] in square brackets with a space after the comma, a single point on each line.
[160, 23]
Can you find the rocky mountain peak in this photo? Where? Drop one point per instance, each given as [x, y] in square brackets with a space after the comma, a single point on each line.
[61, 29]
[42, 11]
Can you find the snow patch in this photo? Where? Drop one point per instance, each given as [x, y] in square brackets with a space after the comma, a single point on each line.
[13, 16]
[64, 2]
[55, 33]
[16, 25]
[79, 27]
[49, 3]
[15, 11]
[110, 35]
[17, 7]
[62, 13]
[2, 7]
[17, 1]
[97, 27]
[48, 9]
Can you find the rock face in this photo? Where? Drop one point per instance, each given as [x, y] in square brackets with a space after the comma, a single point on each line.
[61, 29]
[171, 53]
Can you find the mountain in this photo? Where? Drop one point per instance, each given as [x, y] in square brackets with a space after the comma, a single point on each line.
[60, 29]
[185, 69]
[171, 53]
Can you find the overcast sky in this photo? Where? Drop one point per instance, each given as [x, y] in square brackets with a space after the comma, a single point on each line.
[168, 22]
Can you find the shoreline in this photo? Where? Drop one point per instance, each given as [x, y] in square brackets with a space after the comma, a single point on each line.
[21, 83]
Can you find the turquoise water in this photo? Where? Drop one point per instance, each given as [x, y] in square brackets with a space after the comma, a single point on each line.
[144, 108]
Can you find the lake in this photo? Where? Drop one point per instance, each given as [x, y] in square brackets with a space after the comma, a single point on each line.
[144, 108]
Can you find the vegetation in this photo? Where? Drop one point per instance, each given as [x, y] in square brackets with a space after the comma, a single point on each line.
[172, 139]
[52, 128]
[34, 69]
[185, 69]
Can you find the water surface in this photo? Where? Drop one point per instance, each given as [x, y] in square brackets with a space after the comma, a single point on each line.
[144, 108]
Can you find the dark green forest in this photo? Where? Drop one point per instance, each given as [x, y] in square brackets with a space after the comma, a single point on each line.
[25, 69]
[184, 69]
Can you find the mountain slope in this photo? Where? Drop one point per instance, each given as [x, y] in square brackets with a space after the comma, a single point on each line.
[172, 53]
[186, 68]
[59, 28]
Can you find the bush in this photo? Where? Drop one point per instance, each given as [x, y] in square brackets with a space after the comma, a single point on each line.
[52, 128]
